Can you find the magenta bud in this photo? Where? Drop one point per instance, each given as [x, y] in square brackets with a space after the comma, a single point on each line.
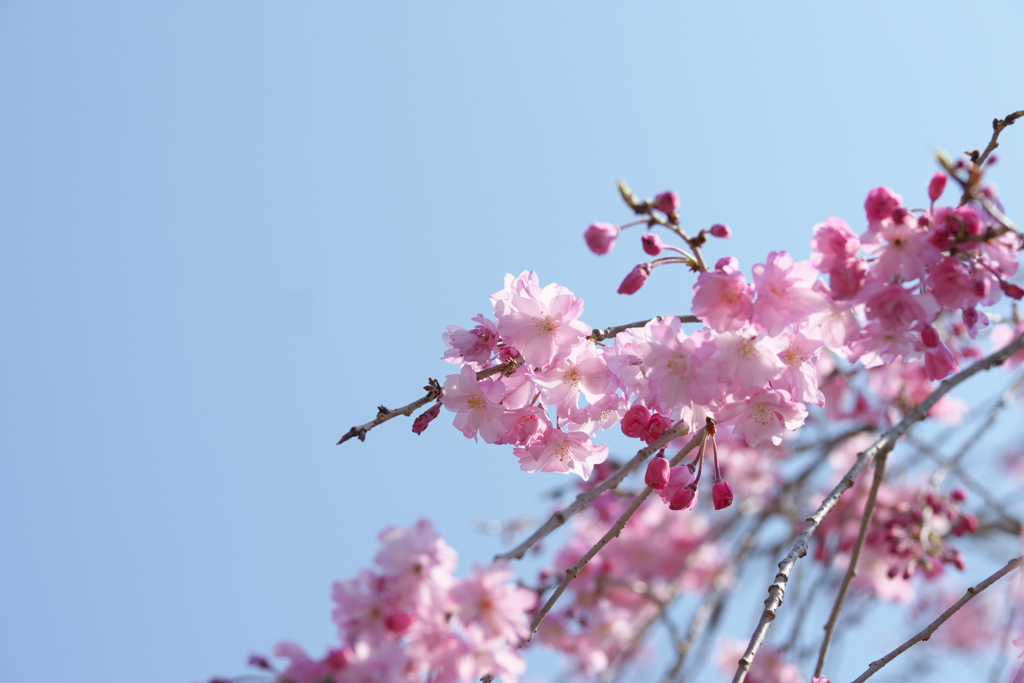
[685, 498]
[667, 202]
[652, 244]
[338, 659]
[600, 237]
[937, 186]
[425, 418]
[1011, 290]
[657, 472]
[721, 494]
[634, 422]
[930, 337]
[636, 279]
[959, 494]
[721, 231]
[260, 662]
[399, 622]
[655, 427]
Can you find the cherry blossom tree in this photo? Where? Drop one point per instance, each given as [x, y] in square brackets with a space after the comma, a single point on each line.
[789, 395]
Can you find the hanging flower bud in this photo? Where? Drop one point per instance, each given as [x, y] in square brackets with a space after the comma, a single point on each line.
[721, 494]
[685, 498]
[721, 231]
[425, 418]
[655, 427]
[657, 472]
[652, 244]
[636, 279]
[667, 202]
[937, 186]
[600, 237]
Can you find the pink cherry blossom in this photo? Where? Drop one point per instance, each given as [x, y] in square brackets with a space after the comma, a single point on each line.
[723, 300]
[764, 416]
[543, 324]
[477, 405]
[785, 292]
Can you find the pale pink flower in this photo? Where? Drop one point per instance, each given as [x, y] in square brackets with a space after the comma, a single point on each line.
[489, 599]
[747, 360]
[764, 416]
[416, 562]
[584, 371]
[907, 252]
[477, 405]
[471, 346]
[897, 308]
[543, 324]
[562, 452]
[785, 292]
[833, 243]
[847, 278]
[600, 237]
[679, 366]
[723, 299]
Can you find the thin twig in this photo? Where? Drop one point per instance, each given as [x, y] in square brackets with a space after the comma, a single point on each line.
[573, 571]
[851, 570]
[600, 335]
[777, 590]
[979, 159]
[993, 415]
[928, 630]
[434, 392]
[584, 499]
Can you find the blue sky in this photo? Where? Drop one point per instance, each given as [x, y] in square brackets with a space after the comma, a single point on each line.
[232, 229]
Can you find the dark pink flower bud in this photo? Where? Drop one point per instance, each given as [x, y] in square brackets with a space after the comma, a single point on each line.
[635, 421]
[721, 494]
[657, 472]
[880, 204]
[399, 622]
[1011, 290]
[685, 498]
[425, 418]
[655, 427]
[260, 662]
[937, 186]
[636, 279]
[959, 494]
[930, 337]
[667, 202]
[899, 214]
[600, 237]
[721, 231]
[652, 244]
[338, 658]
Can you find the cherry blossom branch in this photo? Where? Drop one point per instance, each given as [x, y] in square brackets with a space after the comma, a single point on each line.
[885, 443]
[584, 499]
[928, 630]
[573, 571]
[851, 570]
[978, 159]
[434, 392]
[600, 335]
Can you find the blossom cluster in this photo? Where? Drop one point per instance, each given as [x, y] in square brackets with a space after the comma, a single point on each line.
[411, 620]
[909, 535]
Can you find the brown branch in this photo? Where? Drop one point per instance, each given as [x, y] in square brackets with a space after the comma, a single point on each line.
[851, 570]
[573, 571]
[928, 630]
[584, 499]
[434, 392]
[978, 159]
[600, 335]
[885, 443]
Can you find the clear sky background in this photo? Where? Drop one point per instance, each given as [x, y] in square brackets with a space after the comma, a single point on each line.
[232, 229]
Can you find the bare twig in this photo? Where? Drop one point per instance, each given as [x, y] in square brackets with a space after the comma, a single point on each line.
[997, 127]
[600, 335]
[928, 630]
[434, 392]
[573, 571]
[584, 499]
[851, 570]
[993, 416]
[885, 443]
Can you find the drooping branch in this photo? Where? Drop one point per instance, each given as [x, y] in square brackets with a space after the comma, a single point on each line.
[600, 335]
[851, 570]
[885, 443]
[584, 499]
[928, 630]
[572, 572]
